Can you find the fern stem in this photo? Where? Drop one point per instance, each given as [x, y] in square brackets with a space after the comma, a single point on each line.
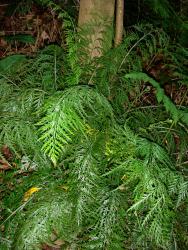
[4, 239]
[142, 38]
[169, 130]
[144, 107]
[55, 70]
[15, 211]
[9, 80]
[184, 96]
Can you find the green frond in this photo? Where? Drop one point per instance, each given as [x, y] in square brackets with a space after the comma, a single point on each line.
[20, 136]
[108, 231]
[161, 7]
[66, 114]
[11, 64]
[72, 45]
[182, 192]
[160, 94]
[49, 219]
[146, 166]
[84, 183]
[17, 129]
[48, 69]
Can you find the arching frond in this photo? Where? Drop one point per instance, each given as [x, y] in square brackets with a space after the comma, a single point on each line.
[161, 97]
[66, 114]
[49, 220]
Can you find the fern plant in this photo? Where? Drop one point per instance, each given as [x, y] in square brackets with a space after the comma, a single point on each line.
[103, 182]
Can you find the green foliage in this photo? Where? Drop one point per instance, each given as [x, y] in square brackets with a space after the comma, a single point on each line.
[71, 44]
[44, 219]
[161, 7]
[24, 38]
[20, 7]
[48, 67]
[160, 94]
[151, 182]
[119, 180]
[66, 114]
[11, 63]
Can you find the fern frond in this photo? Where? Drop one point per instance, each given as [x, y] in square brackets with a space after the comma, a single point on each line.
[50, 215]
[161, 7]
[72, 45]
[161, 97]
[11, 64]
[20, 136]
[48, 69]
[182, 192]
[84, 183]
[108, 231]
[66, 114]
[155, 180]
[57, 127]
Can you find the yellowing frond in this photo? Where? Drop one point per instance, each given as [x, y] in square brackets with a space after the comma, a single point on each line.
[29, 193]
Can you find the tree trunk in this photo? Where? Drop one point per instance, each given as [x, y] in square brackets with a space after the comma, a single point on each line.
[119, 22]
[96, 16]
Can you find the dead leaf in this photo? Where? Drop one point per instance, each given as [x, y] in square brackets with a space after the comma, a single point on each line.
[10, 186]
[44, 36]
[2, 228]
[48, 247]
[6, 152]
[4, 165]
[59, 242]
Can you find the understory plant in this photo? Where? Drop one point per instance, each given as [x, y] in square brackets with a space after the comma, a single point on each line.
[102, 160]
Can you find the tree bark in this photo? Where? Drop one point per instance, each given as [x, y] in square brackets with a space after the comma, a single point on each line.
[97, 17]
[119, 22]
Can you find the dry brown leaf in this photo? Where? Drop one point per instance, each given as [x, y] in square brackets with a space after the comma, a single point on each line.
[59, 242]
[4, 165]
[6, 152]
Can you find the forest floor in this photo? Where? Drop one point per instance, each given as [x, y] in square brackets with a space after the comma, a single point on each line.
[27, 29]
